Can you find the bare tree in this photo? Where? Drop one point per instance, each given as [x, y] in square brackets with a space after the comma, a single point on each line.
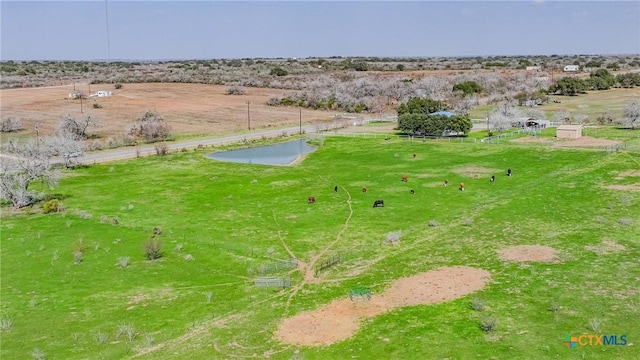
[71, 128]
[151, 127]
[502, 116]
[535, 113]
[561, 116]
[11, 124]
[631, 117]
[22, 164]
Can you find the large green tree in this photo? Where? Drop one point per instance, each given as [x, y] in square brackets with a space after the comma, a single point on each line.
[601, 79]
[421, 106]
[468, 87]
[568, 86]
[437, 125]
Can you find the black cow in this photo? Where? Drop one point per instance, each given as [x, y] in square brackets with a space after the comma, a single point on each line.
[508, 172]
[378, 203]
[412, 192]
[335, 189]
[493, 178]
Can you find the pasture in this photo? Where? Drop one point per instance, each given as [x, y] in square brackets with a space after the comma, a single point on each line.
[77, 285]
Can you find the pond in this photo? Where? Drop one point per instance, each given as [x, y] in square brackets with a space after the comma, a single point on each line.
[279, 154]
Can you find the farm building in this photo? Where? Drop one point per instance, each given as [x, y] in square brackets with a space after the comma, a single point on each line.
[569, 131]
[101, 93]
[570, 68]
[534, 68]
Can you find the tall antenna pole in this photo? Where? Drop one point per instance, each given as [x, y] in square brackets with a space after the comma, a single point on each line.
[106, 14]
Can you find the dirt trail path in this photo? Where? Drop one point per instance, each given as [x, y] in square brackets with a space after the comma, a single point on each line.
[309, 274]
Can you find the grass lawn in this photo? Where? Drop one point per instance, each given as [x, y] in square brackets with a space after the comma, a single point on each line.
[593, 104]
[222, 224]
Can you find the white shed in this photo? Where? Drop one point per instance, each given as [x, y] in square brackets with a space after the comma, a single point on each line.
[571, 68]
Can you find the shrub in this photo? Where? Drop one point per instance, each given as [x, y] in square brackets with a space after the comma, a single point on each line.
[38, 354]
[235, 90]
[78, 255]
[153, 249]
[123, 261]
[53, 205]
[117, 86]
[394, 236]
[626, 221]
[189, 257]
[488, 324]
[278, 71]
[433, 223]
[476, 304]
[554, 306]
[11, 124]
[5, 324]
[97, 106]
[115, 221]
[595, 323]
[151, 127]
[162, 150]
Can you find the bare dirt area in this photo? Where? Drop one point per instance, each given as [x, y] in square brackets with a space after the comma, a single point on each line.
[529, 253]
[532, 139]
[629, 187]
[188, 108]
[606, 247]
[588, 142]
[341, 318]
[476, 171]
[628, 173]
[584, 141]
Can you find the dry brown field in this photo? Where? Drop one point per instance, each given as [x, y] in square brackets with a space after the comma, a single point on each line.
[190, 109]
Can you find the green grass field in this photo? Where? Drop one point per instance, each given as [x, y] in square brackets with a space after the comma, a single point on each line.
[223, 222]
[593, 104]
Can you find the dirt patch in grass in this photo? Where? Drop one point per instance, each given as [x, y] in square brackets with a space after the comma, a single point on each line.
[588, 141]
[628, 187]
[532, 139]
[628, 173]
[606, 247]
[529, 253]
[476, 171]
[341, 318]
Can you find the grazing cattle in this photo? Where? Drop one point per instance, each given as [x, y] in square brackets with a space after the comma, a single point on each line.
[461, 187]
[446, 182]
[509, 172]
[335, 189]
[378, 203]
[364, 189]
[404, 178]
[414, 155]
[412, 192]
[311, 200]
[493, 178]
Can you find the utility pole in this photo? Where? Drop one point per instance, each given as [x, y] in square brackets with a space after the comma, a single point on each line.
[37, 134]
[81, 104]
[301, 120]
[248, 116]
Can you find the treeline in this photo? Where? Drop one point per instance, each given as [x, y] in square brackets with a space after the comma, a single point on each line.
[600, 79]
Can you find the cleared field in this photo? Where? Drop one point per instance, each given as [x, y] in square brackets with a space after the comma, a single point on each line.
[552, 250]
[191, 109]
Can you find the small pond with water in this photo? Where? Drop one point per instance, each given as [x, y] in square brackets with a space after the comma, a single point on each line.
[279, 154]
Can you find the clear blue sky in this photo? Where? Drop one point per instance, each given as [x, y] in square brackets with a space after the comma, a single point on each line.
[152, 30]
